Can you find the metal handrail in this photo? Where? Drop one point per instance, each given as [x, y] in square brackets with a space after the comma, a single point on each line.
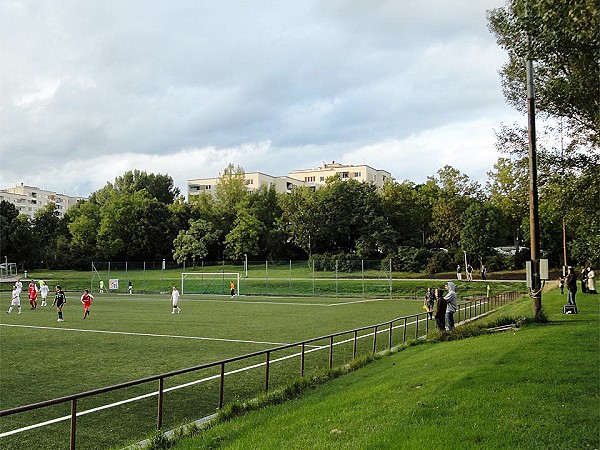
[465, 306]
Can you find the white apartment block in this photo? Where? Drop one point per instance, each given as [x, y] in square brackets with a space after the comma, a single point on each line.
[312, 178]
[29, 199]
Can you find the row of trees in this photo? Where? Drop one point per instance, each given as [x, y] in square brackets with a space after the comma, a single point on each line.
[142, 217]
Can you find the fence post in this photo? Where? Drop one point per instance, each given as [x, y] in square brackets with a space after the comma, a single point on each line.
[302, 361]
[354, 345]
[330, 352]
[390, 340]
[222, 386]
[417, 326]
[267, 372]
[159, 414]
[375, 339]
[73, 423]
[404, 333]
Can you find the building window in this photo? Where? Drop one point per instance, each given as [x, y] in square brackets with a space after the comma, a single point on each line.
[344, 175]
[322, 179]
[309, 179]
[356, 174]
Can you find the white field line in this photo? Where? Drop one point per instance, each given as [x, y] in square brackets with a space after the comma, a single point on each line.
[191, 383]
[126, 333]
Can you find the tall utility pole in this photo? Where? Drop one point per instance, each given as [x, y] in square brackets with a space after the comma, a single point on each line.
[534, 223]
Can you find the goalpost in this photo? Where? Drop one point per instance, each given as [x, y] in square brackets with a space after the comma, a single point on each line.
[216, 283]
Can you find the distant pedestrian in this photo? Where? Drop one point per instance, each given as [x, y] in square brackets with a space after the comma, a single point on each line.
[591, 280]
[458, 272]
[15, 300]
[101, 287]
[231, 288]
[130, 287]
[440, 310]
[175, 301]
[450, 298]
[583, 276]
[571, 286]
[483, 272]
[561, 284]
[429, 302]
[469, 272]
[60, 300]
[86, 300]
[44, 292]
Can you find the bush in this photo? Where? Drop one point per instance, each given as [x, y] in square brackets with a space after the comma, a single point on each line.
[409, 259]
[439, 262]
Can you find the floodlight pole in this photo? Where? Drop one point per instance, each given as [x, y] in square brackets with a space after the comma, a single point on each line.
[534, 223]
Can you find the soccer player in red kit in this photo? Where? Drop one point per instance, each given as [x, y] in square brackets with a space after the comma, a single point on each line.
[33, 293]
[87, 300]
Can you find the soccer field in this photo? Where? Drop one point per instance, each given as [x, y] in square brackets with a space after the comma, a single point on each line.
[127, 337]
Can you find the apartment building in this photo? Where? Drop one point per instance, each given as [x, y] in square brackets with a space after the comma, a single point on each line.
[362, 173]
[312, 178]
[29, 199]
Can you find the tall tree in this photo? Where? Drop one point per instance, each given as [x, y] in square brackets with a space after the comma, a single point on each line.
[158, 186]
[194, 243]
[562, 38]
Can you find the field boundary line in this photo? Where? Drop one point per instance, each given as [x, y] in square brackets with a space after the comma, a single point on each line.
[129, 333]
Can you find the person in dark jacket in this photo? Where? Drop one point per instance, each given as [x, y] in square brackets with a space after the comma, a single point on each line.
[571, 286]
[440, 310]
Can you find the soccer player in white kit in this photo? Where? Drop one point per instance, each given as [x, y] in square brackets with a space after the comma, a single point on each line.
[15, 300]
[175, 300]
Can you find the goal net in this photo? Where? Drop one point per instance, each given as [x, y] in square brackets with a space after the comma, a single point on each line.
[217, 283]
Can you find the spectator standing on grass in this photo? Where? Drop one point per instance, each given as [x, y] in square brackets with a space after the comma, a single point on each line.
[483, 272]
[86, 300]
[101, 287]
[429, 302]
[440, 310]
[571, 286]
[469, 272]
[458, 272]
[175, 301]
[591, 280]
[583, 279]
[60, 300]
[15, 300]
[44, 292]
[561, 284]
[232, 288]
[450, 298]
[129, 287]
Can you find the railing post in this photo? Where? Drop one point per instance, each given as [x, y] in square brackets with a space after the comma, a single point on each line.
[375, 339]
[330, 352]
[417, 326]
[222, 386]
[302, 361]
[73, 423]
[159, 414]
[390, 339]
[404, 333]
[267, 372]
[354, 344]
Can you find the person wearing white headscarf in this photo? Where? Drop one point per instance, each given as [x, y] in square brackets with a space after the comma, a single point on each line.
[450, 298]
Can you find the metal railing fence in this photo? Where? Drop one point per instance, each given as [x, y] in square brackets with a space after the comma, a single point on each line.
[465, 310]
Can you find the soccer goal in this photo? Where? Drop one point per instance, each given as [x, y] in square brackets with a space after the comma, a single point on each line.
[217, 283]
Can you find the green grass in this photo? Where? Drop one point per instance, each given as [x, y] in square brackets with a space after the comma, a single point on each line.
[535, 388]
[265, 279]
[44, 363]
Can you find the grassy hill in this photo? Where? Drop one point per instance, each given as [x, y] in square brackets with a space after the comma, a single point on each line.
[532, 388]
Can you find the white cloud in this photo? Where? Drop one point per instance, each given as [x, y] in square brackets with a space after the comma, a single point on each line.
[187, 87]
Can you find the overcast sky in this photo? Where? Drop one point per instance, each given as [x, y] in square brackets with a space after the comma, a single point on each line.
[91, 89]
